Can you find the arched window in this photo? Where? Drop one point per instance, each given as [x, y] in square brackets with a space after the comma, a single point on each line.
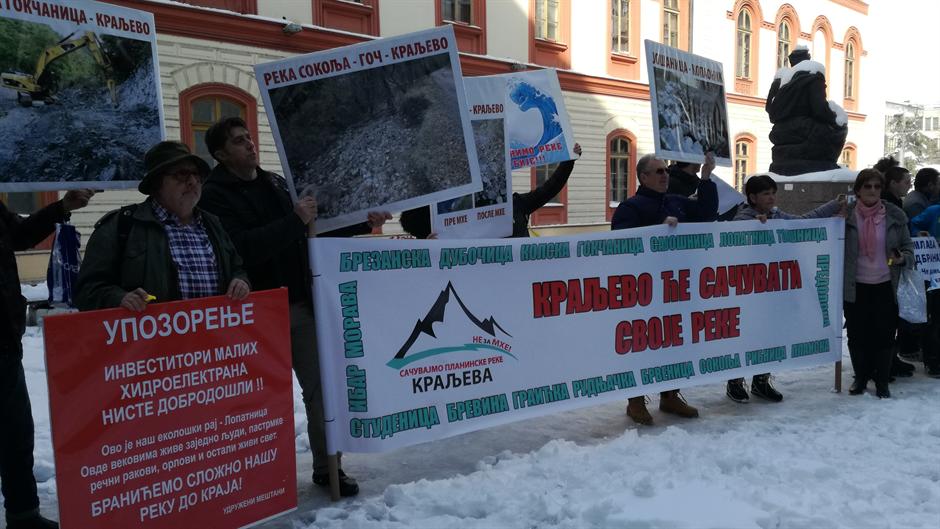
[849, 70]
[671, 23]
[848, 156]
[745, 159]
[743, 49]
[621, 168]
[203, 105]
[783, 43]
[556, 210]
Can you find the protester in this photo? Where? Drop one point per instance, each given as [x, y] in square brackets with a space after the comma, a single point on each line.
[897, 184]
[270, 233]
[925, 193]
[684, 180]
[928, 221]
[877, 245]
[18, 484]
[651, 205]
[163, 249]
[525, 204]
[761, 193]
[417, 222]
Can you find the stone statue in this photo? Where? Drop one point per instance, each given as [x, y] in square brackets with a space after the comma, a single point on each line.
[808, 132]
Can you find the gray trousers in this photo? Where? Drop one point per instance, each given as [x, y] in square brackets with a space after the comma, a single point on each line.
[303, 346]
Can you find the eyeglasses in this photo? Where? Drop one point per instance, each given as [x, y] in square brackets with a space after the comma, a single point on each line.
[871, 186]
[660, 171]
[184, 175]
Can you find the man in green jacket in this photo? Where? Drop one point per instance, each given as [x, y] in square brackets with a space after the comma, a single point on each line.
[163, 249]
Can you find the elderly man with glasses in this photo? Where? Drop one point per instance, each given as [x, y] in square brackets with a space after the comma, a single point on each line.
[651, 205]
[163, 249]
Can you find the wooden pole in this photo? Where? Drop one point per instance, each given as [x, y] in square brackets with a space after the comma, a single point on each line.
[838, 386]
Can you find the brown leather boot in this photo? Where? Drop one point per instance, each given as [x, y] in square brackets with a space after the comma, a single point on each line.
[636, 410]
[672, 402]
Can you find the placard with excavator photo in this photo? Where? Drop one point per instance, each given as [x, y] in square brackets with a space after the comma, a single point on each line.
[79, 95]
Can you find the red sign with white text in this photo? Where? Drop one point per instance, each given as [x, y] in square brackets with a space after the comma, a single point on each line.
[179, 416]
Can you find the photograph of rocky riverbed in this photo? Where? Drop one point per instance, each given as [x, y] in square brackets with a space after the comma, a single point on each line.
[372, 137]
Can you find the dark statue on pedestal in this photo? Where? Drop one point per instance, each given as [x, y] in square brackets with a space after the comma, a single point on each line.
[808, 132]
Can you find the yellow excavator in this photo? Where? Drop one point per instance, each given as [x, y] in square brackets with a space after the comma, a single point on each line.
[40, 86]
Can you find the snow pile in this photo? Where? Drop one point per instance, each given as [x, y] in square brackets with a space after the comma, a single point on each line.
[841, 117]
[786, 74]
[818, 459]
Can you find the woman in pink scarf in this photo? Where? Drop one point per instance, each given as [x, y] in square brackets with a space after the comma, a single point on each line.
[877, 245]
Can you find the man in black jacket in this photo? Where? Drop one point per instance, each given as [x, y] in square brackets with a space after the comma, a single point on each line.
[270, 234]
[20, 498]
[525, 204]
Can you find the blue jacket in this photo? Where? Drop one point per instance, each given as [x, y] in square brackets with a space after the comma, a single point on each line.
[927, 221]
[648, 207]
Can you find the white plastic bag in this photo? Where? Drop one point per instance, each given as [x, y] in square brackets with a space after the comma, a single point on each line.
[912, 296]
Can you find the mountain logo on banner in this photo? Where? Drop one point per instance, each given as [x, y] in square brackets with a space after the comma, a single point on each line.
[457, 329]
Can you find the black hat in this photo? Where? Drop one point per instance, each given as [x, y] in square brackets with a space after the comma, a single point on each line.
[162, 156]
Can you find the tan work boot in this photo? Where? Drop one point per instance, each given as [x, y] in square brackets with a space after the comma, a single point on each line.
[672, 402]
[636, 410]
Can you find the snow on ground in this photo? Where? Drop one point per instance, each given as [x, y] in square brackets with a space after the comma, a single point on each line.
[817, 460]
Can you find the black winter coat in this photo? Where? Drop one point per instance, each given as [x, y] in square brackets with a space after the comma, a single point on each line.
[271, 239]
[648, 208]
[17, 234]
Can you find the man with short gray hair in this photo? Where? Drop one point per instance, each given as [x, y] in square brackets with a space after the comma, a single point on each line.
[651, 205]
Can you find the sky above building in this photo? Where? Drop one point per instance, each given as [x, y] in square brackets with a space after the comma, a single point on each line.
[905, 49]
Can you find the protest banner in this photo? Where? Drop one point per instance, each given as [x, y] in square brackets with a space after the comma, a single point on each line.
[537, 125]
[690, 114]
[382, 124]
[160, 418]
[80, 95]
[421, 340]
[927, 257]
[487, 213]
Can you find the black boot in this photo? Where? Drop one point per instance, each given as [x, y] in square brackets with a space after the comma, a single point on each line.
[347, 485]
[859, 385]
[736, 390]
[760, 387]
[900, 368]
[933, 370]
[882, 391]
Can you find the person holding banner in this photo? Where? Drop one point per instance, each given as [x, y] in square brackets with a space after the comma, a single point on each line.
[877, 245]
[761, 193]
[525, 204]
[651, 205]
[163, 249]
[20, 498]
[928, 221]
[270, 232]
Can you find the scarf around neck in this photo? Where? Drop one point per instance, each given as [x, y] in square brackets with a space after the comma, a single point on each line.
[870, 217]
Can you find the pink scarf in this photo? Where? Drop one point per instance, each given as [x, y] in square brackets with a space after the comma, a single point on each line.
[870, 217]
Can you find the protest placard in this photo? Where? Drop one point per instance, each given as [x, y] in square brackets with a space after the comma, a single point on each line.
[80, 95]
[502, 330]
[382, 124]
[487, 213]
[160, 418]
[537, 125]
[927, 257]
[690, 114]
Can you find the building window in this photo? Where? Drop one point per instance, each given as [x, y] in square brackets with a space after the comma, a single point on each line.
[743, 56]
[743, 161]
[546, 19]
[203, 105]
[849, 70]
[931, 123]
[671, 23]
[620, 163]
[356, 16]
[848, 156]
[457, 11]
[555, 211]
[468, 18]
[549, 32]
[620, 26]
[783, 44]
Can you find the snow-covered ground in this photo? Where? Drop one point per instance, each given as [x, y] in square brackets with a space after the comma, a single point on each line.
[817, 460]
